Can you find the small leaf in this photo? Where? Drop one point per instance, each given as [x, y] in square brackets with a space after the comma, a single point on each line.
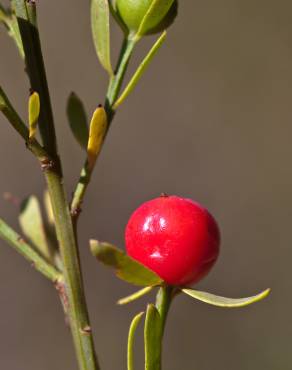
[31, 223]
[152, 338]
[97, 131]
[33, 113]
[126, 268]
[131, 337]
[135, 296]
[101, 32]
[156, 12]
[140, 71]
[225, 302]
[77, 119]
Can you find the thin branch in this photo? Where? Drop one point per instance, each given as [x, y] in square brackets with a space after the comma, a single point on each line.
[9, 112]
[38, 262]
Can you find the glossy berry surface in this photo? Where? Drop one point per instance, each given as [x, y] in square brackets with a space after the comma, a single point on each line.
[175, 237]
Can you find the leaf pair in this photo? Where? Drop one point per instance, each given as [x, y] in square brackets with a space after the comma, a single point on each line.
[135, 273]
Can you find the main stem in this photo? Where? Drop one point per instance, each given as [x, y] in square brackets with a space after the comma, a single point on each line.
[73, 297]
[75, 302]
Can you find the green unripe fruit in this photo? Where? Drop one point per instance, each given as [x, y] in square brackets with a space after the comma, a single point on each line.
[146, 16]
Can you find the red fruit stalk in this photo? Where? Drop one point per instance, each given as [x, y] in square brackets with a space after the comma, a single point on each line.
[175, 237]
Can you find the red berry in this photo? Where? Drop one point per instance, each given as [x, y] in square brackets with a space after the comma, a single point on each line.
[175, 237]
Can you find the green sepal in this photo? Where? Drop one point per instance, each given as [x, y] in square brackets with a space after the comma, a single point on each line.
[140, 71]
[219, 301]
[133, 327]
[133, 297]
[32, 225]
[101, 32]
[152, 338]
[77, 120]
[127, 268]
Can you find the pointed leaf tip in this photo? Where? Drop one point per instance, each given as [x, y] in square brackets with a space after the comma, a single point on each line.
[219, 301]
[132, 331]
[97, 131]
[126, 268]
[33, 113]
[133, 297]
[140, 70]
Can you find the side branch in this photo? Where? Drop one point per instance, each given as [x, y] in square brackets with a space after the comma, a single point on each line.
[9, 112]
[40, 264]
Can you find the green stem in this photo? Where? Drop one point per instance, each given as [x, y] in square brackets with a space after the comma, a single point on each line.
[112, 93]
[40, 264]
[26, 17]
[77, 309]
[117, 80]
[75, 298]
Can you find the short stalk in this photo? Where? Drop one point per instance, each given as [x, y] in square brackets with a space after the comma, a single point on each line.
[163, 301]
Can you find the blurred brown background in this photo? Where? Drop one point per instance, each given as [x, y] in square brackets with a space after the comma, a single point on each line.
[211, 121]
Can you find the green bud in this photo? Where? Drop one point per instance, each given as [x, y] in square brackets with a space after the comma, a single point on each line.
[144, 17]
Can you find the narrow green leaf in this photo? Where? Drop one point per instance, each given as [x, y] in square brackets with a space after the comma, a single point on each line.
[31, 223]
[156, 12]
[135, 296]
[77, 119]
[223, 301]
[33, 113]
[126, 268]
[152, 338]
[140, 71]
[131, 337]
[101, 32]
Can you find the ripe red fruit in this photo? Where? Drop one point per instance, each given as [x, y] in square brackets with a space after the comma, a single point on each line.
[175, 237]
